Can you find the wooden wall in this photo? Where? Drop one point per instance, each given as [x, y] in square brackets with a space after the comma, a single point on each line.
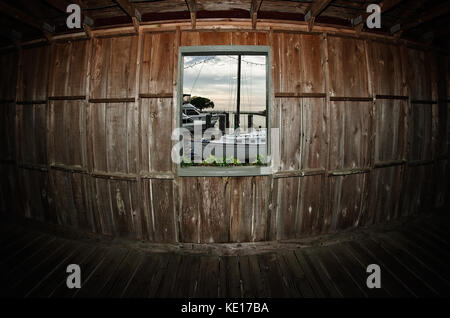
[364, 138]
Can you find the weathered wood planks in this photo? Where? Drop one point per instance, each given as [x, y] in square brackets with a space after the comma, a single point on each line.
[86, 139]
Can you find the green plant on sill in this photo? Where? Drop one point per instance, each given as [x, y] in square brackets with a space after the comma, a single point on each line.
[231, 161]
[186, 162]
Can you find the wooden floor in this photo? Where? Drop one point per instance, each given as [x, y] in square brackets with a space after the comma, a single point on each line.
[414, 260]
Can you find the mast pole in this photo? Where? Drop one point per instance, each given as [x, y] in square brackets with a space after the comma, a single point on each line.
[238, 103]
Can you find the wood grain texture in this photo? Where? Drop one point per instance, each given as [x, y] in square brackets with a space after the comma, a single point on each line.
[33, 75]
[86, 138]
[69, 62]
[9, 66]
[349, 135]
[347, 206]
[420, 132]
[68, 132]
[156, 68]
[348, 68]
[114, 130]
[390, 130]
[419, 75]
[298, 63]
[31, 127]
[384, 196]
[156, 132]
[114, 67]
[387, 68]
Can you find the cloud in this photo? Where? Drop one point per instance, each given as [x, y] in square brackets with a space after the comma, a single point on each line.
[215, 77]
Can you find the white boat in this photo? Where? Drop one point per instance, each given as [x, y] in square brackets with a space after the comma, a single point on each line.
[246, 147]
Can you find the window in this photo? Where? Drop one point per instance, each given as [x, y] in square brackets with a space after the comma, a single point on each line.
[223, 115]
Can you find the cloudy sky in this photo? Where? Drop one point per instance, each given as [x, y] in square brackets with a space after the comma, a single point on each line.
[215, 77]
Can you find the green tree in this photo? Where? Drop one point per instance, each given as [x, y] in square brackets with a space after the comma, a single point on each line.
[202, 102]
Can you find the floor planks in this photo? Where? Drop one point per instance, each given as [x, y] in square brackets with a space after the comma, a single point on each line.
[414, 260]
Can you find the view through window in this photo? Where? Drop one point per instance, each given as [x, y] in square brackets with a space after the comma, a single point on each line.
[224, 109]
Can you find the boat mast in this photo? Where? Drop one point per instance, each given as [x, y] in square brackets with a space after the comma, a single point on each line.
[237, 116]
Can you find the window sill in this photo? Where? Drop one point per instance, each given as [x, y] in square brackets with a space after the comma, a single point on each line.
[224, 171]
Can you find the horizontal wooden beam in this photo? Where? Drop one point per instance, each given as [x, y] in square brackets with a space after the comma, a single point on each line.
[400, 97]
[33, 166]
[384, 164]
[81, 97]
[299, 173]
[31, 102]
[162, 95]
[111, 100]
[300, 95]
[424, 102]
[350, 99]
[416, 163]
[344, 172]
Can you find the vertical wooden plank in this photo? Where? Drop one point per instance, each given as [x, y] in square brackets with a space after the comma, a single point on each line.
[215, 38]
[349, 135]
[215, 210]
[387, 69]
[60, 69]
[157, 70]
[122, 69]
[146, 217]
[103, 207]
[122, 208]
[309, 205]
[7, 113]
[116, 137]
[74, 132]
[420, 132]
[260, 196]
[28, 133]
[78, 68]
[288, 207]
[34, 74]
[290, 109]
[99, 135]
[84, 214]
[100, 65]
[191, 197]
[162, 201]
[313, 133]
[241, 209]
[418, 75]
[189, 38]
[345, 198]
[390, 143]
[347, 62]
[156, 127]
[9, 65]
[312, 78]
[384, 199]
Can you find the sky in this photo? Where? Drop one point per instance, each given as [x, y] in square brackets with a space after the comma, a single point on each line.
[215, 77]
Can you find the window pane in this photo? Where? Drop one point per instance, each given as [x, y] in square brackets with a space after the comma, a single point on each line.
[212, 102]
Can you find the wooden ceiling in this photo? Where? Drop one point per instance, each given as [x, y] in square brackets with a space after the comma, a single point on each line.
[418, 20]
